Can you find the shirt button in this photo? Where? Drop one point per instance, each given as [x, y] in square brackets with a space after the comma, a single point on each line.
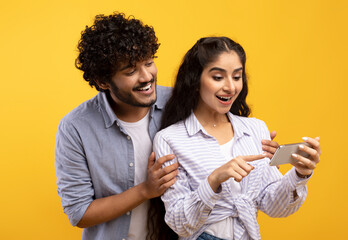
[128, 137]
[117, 124]
[128, 213]
[131, 164]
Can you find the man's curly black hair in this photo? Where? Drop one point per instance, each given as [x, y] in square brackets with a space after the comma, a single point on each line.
[113, 40]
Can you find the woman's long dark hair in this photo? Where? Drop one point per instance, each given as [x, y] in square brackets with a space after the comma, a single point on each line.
[158, 229]
[185, 94]
[184, 100]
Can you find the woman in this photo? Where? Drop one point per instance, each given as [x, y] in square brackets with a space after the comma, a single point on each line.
[224, 178]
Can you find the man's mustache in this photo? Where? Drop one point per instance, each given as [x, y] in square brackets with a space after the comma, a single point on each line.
[144, 84]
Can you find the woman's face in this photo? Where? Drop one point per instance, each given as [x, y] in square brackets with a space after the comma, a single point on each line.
[221, 83]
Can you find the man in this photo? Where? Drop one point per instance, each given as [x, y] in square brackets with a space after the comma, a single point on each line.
[103, 144]
[103, 177]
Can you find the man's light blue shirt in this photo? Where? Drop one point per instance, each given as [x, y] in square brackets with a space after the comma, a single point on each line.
[94, 158]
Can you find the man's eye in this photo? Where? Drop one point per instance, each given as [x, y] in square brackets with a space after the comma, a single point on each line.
[148, 64]
[130, 73]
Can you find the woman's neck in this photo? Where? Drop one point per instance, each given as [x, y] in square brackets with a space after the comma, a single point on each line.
[210, 118]
[216, 124]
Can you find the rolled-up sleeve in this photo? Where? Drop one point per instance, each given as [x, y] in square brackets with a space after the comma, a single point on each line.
[73, 177]
[277, 194]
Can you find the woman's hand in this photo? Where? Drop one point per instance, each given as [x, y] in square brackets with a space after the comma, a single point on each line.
[305, 166]
[237, 168]
[270, 146]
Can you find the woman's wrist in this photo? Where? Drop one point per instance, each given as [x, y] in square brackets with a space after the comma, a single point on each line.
[303, 175]
[213, 182]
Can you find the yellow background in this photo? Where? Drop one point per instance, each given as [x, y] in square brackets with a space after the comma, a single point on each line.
[297, 61]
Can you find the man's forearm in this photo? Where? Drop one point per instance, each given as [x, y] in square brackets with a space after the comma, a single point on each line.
[105, 209]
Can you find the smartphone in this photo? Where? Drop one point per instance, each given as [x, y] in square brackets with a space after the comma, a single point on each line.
[283, 154]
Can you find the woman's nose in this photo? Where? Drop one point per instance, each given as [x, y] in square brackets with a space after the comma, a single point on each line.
[229, 85]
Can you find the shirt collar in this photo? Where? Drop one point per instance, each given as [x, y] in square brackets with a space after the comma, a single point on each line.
[193, 126]
[106, 110]
[239, 126]
[162, 97]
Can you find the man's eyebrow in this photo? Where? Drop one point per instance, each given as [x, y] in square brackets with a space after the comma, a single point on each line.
[223, 70]
[126, 66]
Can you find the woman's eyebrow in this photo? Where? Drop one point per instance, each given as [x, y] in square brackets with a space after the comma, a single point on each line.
[217, 69]
[238, 69]
[223, 70]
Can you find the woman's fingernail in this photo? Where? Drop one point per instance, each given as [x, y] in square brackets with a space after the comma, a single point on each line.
[305, 138]
[294, 155]
[301, 146]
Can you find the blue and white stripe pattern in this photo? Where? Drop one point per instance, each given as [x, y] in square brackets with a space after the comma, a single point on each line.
[190, 203]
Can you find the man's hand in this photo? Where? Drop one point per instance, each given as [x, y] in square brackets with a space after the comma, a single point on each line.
[269, 146]
[159, 179]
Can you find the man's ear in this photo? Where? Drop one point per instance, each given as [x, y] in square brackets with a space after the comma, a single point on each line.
[103, 85]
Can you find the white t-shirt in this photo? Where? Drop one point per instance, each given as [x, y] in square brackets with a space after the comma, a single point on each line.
[139, 133]
[224, 228]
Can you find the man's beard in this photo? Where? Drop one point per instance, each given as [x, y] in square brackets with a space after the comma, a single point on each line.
[127, 97]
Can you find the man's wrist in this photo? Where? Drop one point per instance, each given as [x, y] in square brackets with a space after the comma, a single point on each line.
[143, 190]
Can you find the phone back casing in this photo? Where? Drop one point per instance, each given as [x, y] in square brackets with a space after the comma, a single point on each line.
[283, 154]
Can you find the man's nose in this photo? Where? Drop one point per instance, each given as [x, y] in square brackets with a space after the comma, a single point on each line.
[145, 75]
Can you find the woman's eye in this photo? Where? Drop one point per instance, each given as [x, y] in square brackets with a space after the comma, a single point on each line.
[237, 78]
[217, 78]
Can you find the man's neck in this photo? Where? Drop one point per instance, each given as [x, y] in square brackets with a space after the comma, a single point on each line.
[127, 112]
[130, 113]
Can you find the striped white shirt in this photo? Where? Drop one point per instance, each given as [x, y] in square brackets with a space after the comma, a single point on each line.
[191, 205]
